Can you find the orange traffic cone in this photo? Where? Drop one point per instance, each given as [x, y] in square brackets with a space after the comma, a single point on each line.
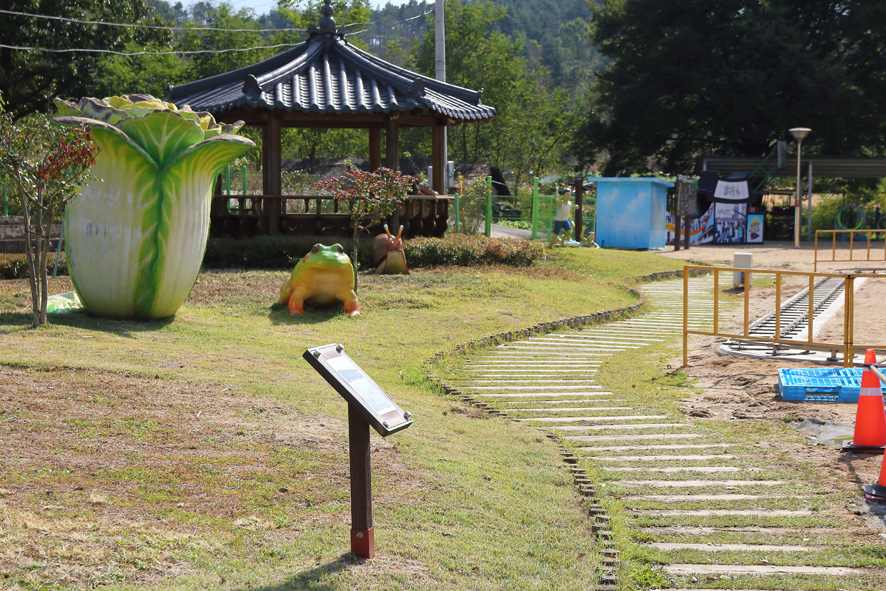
[877, 491]
[870, 418]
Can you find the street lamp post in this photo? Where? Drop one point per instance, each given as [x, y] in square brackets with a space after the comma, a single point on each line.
[799, 133]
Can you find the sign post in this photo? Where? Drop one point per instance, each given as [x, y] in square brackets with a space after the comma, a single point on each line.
[367, 405]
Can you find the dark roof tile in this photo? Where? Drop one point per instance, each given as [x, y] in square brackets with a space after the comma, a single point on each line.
[326, 74]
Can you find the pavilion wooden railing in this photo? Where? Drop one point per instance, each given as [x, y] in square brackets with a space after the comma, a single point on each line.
[318, 215]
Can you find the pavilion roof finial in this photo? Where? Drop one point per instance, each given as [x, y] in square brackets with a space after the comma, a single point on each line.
[327, 23]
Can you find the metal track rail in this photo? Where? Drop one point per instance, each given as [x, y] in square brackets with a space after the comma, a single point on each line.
[794, 317]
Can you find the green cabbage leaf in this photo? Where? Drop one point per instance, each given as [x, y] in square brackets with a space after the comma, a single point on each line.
[136, 235]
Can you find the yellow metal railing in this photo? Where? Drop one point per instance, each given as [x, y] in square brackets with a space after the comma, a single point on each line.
[851, 233]
[847, 346]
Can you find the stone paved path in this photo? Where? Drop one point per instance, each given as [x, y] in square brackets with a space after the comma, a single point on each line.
[701, 511]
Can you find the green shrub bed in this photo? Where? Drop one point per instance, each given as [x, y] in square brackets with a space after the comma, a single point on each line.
[283, 252]
[462, 250]
[15, 266]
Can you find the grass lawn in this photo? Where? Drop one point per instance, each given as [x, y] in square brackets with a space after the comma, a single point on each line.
[203, 453]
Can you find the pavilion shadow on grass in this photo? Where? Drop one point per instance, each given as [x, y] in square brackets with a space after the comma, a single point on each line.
[328, 83]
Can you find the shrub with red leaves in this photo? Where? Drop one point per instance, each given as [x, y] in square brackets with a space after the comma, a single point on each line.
[45, 165]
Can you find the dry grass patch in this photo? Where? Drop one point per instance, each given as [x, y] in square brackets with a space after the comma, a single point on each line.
[104, 469]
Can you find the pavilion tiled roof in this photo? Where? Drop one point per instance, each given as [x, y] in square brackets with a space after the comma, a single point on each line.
[327, 74]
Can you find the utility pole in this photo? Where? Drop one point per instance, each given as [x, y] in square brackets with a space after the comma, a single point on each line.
[440, 72]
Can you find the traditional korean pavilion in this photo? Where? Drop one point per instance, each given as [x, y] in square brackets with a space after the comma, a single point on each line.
[328, 83]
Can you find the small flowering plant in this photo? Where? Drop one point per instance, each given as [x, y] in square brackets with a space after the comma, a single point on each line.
[371, 197]
[46, 165]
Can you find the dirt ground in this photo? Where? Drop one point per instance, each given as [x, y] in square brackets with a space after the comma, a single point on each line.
[758, 379]
[735, 387]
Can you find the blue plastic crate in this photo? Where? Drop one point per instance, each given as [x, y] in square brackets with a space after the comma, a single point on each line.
[820, 384]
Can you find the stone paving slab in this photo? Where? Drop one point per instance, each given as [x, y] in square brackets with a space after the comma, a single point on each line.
[703, 497]
[724, 512]
[637, 426]
[575, 409]
[678, 469]
[698, 483]
[671, 546]
[653, 447]
[632, 437]
[587, 418]
[759, 569]
[687, 458]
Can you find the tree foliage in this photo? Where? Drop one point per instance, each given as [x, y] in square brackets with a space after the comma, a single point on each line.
[530, 124]
[45, 165]
[519, 64]
[29, 80]
[732, 76]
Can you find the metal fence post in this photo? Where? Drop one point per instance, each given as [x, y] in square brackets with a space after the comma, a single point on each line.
[534, 208]
[461, 189]
[488, 206]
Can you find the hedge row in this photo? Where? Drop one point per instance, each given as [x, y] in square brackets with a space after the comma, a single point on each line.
[465, 251]
[15, 266]
[282, 252]
[271, 252]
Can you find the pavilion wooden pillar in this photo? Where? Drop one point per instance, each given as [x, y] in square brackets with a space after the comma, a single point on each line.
[271, 171]
[374, 148]
[392, 142]
[392, 154]
[438, 159]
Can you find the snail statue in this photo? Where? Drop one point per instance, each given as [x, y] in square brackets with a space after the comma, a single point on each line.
[387, 251]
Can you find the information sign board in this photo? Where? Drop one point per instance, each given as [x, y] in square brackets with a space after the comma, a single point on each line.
[361, 391]
[686, 197]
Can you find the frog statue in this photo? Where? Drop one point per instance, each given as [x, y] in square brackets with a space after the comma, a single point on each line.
[324, 276]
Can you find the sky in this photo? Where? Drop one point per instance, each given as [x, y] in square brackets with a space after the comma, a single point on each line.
[263, 6]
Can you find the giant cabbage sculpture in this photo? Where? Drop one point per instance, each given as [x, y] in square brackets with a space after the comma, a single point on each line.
[136, 235]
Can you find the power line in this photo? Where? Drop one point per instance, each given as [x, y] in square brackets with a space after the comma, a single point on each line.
[411, 18]
[138, 26]
[189, 28]
[175, 52]
[172, 52]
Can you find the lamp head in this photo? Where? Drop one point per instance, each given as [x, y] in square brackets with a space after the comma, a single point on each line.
[799, 133]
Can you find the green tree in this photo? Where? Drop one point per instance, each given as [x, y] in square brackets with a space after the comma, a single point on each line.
[151, 73]
[532, 135]
[45, 165]
[223, 43]
[479, 58]
[30, 79]
[530, 125]
[731, 77]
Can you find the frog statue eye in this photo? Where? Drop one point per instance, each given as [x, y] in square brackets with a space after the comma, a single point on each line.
[341, 249]
[315, 249]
